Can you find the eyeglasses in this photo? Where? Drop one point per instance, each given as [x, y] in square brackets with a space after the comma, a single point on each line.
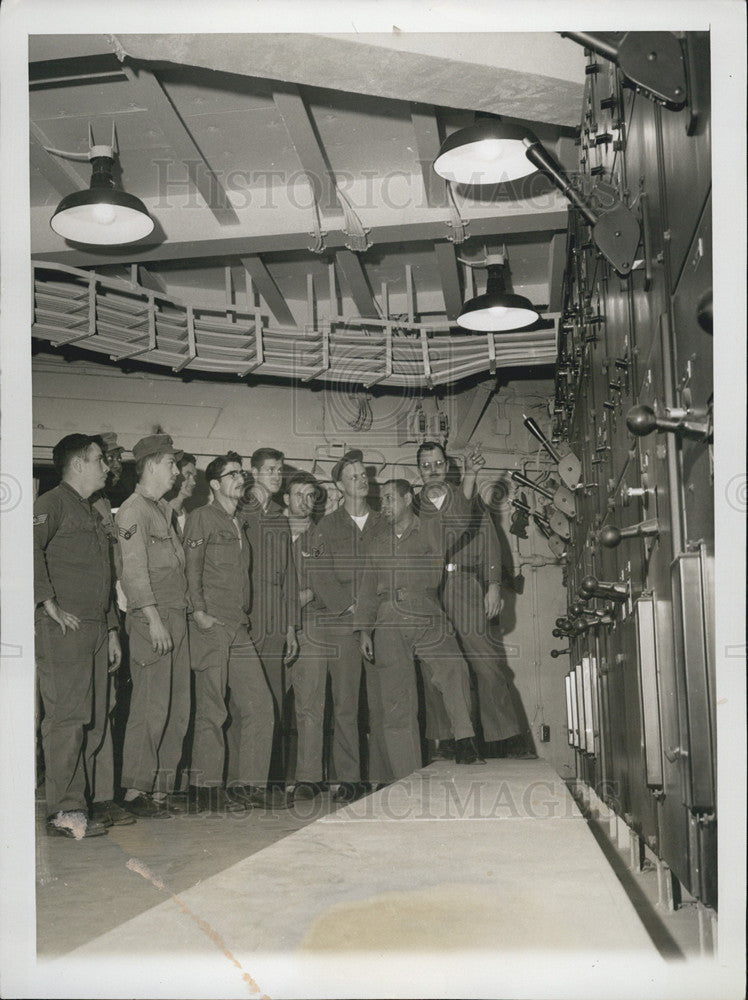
[234, 474]
[428, 466]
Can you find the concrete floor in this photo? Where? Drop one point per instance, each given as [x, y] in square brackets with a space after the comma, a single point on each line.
[495, 863]
[71, 908]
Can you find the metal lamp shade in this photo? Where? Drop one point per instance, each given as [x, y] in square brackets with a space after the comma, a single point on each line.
[489, 152]
[102, 216]
[497, 309]
[486, 313]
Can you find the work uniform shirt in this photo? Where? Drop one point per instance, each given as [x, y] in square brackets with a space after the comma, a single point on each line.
[71, 556]
[338, 548]
[103, 507]
[218, 558]
[404, 571]
[464, 532]
[275, 592]
[152, 556]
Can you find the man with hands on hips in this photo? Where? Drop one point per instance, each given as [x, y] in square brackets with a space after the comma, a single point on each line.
[76, 626]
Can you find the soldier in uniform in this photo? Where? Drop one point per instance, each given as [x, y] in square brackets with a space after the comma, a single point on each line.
[399, 602]
[275, 600]
[183, 490]
[155, 586]
[99, 742]
[75, 624]
[338, 546]
[223, 656]
[308, 672]
[470, 590]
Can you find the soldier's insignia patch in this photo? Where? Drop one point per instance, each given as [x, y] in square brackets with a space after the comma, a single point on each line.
[318, 550]
[127, 533]
[194, 542]
[40, 519]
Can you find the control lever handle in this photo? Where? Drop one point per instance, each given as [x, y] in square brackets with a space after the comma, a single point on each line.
[536, 432]
[642, 420]
[592, 587]
[569, 466]
[555, 653]
[562, 498]
[611, 536]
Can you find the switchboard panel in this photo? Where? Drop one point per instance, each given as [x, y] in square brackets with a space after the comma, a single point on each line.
[633, 401]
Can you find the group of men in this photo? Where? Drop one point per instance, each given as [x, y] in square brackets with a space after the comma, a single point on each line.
[230, 606]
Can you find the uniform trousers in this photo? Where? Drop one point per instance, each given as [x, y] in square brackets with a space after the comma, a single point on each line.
[340, 646]
[399, 636]
[65, 666]
[308, 677]
[462, 599]
[269, 648]
[99, 749]
[224, 657]
[159, 704]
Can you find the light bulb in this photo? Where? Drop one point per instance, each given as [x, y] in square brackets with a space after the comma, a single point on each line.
[489, 149]
[103, 214]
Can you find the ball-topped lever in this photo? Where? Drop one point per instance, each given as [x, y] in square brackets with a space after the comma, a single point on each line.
[592, 587]
[642, 420]
[612, 536]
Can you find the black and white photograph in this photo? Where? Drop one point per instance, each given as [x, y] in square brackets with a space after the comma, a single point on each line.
[373, 495]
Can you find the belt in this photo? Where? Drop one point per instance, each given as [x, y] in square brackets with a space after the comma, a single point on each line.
[454, 568]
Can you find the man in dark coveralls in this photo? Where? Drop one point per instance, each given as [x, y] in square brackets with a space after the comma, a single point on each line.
[75, 623]
[399, 601]
[470, 589]
[218, 556]
[155, 587]
[99, 740]
[338, 546]
[308, 672]
[275, 600]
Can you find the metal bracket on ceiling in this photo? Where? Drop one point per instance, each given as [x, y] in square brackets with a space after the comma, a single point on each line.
[358, 238]
[456, 223]
[318, 234]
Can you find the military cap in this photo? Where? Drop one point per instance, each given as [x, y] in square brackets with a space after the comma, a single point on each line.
[110, 443]
[156, 444]
[354, 455]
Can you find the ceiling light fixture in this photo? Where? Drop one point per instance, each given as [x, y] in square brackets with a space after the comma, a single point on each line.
[493, 152]
[102, 215]
[498, 309]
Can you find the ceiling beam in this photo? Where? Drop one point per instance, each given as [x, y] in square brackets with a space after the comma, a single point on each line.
[293, 111]
[350, 267]
[535, 75]
[148, 91]
[240, 246]
[74, 70]
[264, 283]
[56, 171]
[449, 276]
[556, 266]
[426, 128]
